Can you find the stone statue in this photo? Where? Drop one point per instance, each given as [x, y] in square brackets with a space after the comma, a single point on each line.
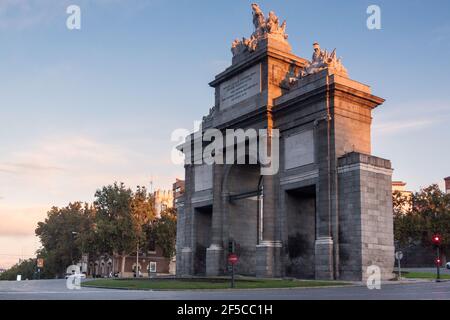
[259, 20]
[321, 60]
[264, 28]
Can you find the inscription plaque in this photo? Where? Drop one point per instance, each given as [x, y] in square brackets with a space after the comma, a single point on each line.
[241, 87]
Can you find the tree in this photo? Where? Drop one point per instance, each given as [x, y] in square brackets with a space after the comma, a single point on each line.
[60, 236]
[117, 229]
[433, 207]
[25, 268]
[165, 232]
[429, 214]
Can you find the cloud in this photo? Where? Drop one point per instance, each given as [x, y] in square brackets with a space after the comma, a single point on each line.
[20, 221]
[70, 168]
[13, 248]
[24, 14]
[391, 127]
[410, 116]
[19, 168]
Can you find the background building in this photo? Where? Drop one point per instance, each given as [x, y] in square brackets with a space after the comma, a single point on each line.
[447, 185]
[106, 266]
[178, 191]
[163, 200]
[400, 186]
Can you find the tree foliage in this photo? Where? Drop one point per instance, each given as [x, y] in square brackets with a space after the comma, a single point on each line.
[25, 268]
[429, 214]
[60, 235]
[165, 232]
[118, 222]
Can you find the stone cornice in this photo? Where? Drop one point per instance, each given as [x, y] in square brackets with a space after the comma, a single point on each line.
[254, 58]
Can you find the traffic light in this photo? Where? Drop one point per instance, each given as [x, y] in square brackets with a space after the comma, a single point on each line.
[438, 262]
[436, 239]
[231, 246]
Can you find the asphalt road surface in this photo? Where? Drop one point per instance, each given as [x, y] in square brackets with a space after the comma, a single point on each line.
[57, 290]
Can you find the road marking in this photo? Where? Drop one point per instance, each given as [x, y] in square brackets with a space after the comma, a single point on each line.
[55, 292]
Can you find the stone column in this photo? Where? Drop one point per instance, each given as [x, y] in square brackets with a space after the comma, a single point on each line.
[214, 254]
[187, 263]
[324, 258]
[268, 251]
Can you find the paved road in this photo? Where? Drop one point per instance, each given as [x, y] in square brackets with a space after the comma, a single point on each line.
[56, 290]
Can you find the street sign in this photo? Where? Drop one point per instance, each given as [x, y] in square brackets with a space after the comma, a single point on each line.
[40, 263]
[399, 256]
[233, 259]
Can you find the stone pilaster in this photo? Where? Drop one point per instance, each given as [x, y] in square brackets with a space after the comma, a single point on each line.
[268, 251]
[214, 254]
[324, 258]
[187, 263]
[268, 254]
[214, 260]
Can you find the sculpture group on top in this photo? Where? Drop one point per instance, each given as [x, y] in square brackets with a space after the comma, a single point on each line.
[270, 27]
[322, 59]
[263, 29]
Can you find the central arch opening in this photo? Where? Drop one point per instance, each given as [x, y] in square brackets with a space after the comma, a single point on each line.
[244, 185]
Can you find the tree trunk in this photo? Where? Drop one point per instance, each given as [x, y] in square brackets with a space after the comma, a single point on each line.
[122, 268]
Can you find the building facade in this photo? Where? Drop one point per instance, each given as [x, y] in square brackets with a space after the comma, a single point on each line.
[111, 266]
[326, 213]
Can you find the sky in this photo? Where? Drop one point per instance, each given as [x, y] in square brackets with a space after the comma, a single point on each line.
[80, 109]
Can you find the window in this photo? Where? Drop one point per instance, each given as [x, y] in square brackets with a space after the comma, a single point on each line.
[152, 246]
[152, 267]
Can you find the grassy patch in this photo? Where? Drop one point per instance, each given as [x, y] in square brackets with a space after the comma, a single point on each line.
[180, 284]
[423, 275]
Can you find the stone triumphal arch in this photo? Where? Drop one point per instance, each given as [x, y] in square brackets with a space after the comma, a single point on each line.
[326, 213]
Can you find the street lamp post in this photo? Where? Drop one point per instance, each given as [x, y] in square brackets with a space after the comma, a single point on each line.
[73, 234]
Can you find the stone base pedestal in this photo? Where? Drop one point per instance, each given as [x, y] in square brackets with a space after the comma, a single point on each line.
[324, 258]
[186, 263]
[214, 260]
[268, 264]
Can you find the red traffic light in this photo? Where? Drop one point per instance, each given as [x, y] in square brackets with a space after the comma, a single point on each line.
[438, 261]
[436, 239]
